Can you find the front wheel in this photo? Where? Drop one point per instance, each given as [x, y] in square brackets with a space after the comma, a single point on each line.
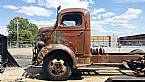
[57, 67]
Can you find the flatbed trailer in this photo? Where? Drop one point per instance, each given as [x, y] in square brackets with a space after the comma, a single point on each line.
[6, 58]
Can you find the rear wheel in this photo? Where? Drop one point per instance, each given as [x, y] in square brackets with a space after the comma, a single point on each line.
[57, 67]
[137, 51]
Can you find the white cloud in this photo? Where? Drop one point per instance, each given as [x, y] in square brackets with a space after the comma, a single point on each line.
[97, 11]
[119, 24]
[124, 25]
[123, 20]
[98, 28]
[108, 14]
[105, 15]
[42, 23]
[34, 11]
[65, 3]
[130, 14]
[29, 1]
[94, 18]
[130, 1]
[101, 13]
[3, 30]
[30, 10]
[10, 7]
[135, 1]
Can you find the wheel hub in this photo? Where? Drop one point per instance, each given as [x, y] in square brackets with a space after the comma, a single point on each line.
[57, 67]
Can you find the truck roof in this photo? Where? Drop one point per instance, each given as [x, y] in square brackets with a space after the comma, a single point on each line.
[84, 11]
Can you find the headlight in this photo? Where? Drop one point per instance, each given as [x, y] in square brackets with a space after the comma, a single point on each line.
[40, 44]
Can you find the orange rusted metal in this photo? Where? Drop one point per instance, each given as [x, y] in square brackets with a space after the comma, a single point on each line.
[52, 47]
[72, 29]
[75, 37]
[112, 58]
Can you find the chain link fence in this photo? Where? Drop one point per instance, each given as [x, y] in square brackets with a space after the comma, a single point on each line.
[96, 43]
[22, 44]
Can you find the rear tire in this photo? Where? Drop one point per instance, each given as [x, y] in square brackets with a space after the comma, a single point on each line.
[57, 67]
[137, 51]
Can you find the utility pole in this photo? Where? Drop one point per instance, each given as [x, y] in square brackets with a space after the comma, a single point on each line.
[17, 42]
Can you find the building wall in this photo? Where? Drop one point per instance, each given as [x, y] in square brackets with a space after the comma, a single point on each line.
[134, 37]
[135, 40]
[113, 41]
[104, 41]
[100, 41]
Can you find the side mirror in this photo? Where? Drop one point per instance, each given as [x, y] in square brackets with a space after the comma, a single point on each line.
[58, 8]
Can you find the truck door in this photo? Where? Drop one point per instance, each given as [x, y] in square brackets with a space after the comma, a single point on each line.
[71, 32]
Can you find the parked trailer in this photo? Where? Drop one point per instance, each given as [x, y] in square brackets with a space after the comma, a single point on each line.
[6, 58]
[113, 44]
[60, 48]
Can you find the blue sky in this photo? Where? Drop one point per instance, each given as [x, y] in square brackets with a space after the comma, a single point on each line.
[108, 17]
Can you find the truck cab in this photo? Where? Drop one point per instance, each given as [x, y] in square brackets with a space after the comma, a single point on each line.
[59, 47]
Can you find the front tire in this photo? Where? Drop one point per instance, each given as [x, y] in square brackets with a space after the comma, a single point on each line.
[57, 67]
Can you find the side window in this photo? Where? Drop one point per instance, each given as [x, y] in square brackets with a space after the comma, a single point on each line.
[72, 19]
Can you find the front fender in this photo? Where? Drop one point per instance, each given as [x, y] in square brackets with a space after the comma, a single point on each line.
[47, 49]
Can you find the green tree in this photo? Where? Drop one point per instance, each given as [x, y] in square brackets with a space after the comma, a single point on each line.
[27, 31]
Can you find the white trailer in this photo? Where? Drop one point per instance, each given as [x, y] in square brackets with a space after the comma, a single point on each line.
[113, 45]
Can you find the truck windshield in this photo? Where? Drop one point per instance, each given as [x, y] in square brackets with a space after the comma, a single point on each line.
[71, 19]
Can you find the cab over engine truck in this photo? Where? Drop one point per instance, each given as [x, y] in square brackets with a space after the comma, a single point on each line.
[60, 48]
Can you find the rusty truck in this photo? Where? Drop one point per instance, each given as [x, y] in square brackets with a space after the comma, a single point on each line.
[61, 48]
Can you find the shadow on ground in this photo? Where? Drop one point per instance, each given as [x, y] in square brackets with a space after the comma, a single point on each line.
[37, 73]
